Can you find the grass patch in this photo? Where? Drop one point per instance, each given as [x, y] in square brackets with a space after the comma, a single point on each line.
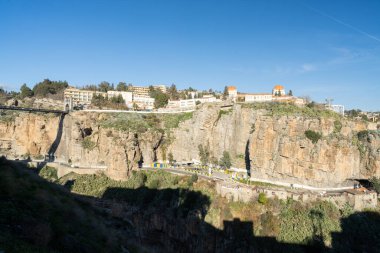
[88, 144]
[313, 136]
[141, 123]
[49, 173]
[282, 109]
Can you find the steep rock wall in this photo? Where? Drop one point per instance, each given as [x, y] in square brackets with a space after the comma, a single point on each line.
[275, 147]
[272, 147]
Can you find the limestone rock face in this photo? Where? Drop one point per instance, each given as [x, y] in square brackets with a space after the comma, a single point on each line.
[275, 147]
[271, 147]
[27, 135]
[119, 151]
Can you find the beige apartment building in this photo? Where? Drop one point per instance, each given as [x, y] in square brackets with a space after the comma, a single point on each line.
[83, 97]
[144, 90]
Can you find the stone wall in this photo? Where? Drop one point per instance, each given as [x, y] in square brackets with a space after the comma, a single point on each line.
[357, 200]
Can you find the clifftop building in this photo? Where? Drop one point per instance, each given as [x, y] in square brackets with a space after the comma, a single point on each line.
[144, 90]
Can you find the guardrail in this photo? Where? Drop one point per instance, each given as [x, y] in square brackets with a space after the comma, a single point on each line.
[15, 108]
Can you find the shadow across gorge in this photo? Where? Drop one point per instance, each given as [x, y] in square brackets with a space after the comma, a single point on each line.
[173, 220]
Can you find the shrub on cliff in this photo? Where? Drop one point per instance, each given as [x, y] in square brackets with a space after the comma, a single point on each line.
[191, 180]
[262, 198]
[375, 182]
[87, 143]
[225, 160]
[337, 126]
[313, 136]
[49, 173]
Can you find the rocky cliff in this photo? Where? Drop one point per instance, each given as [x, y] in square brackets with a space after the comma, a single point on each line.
[270, 142]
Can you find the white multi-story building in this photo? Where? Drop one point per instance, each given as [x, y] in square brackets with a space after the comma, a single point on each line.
[258, 97]
[143, 102]
[278, 90]
[232, 92]
[336, 108]
[126, 95]
[183, 103]
[207, 99]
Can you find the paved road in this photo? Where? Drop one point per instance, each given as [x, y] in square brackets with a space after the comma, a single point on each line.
[140, 112]
[216, 175]
[15, 108]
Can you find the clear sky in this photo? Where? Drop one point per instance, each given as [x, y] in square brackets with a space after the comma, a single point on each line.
[320, 48]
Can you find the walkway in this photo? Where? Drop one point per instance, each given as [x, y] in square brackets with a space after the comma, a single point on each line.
[139, 112]
[221, 176]
[15, 108]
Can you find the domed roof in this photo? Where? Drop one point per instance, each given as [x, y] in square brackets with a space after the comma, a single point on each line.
[278, 87]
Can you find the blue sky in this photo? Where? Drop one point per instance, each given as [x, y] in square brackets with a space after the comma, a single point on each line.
[324, 48]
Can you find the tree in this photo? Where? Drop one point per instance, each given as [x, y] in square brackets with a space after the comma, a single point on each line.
[225, 161]
[160, 99]
[98, 100]
[104, 86]
[173, 93]
[25, 91]
[170, 158]
[118, 100]
[375, 182]
[46, 87]
[225, 92]
[92, 87]
[122, 86]
[262, 198]
[290, 93]
[204, 154]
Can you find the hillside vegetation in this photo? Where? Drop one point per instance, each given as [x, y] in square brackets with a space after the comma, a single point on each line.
[38, 216]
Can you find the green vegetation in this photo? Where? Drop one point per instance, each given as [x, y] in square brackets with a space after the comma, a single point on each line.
[8, 116]
[39, 157]
[37, 216]
[160, 99]
[262, 198]
[337, 126]
[25, 91]
[283, 109]
[375, 182]
[302, 223]
[313, 136]
[116, 102]
[191, 180]
[223, 112]
[96, 185]
[139, 123]
[88, 144]
[173, 120]
[47, 87]
[253, 129]
[204, 154]
[363, 135]
[49, 173]
[225, 160]
[170, 158]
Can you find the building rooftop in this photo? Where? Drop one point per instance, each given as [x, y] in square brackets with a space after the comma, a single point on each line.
[278, 87]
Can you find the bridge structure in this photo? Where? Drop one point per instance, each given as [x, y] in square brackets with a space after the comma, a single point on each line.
[50, 156]
[15, 108]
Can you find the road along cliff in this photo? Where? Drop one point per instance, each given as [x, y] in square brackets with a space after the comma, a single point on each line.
[272, 141]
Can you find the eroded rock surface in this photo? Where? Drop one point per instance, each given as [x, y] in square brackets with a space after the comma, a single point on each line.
[273, 147]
